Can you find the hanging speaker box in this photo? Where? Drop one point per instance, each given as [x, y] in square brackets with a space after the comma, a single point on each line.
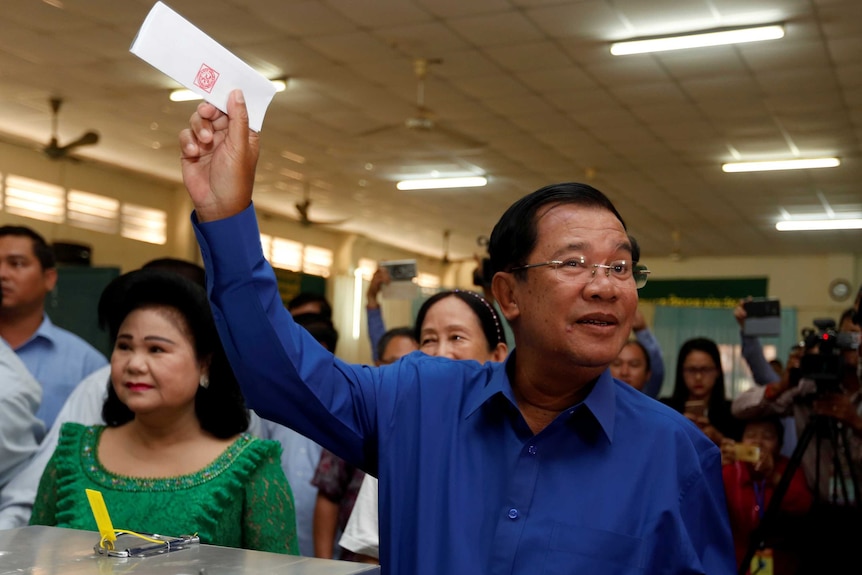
[68, 253]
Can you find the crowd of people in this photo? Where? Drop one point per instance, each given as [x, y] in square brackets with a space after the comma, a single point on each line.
[224, 411]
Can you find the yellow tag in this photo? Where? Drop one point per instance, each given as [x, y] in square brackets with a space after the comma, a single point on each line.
[761, 563]
[100, 512]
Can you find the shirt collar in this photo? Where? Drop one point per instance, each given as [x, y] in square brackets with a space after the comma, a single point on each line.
[46, 331]
[601, 401]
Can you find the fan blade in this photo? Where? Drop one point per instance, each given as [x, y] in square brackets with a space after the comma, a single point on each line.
[379, 130]
[87, 139]
[469, 142]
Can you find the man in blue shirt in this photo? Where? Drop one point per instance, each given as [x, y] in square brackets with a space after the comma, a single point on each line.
[541, 464]
[57, 358]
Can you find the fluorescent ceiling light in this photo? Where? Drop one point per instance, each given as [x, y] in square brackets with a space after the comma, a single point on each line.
[781, 165]
[183, 95]
[698, 40]
[441, 183]
[805, 225]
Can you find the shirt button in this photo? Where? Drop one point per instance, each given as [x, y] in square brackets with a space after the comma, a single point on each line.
[531, 450]
[513, 513]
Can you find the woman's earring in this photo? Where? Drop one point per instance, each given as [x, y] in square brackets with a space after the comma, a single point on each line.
[204, 381]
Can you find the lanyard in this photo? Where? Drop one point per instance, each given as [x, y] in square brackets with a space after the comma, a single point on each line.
[760, 497]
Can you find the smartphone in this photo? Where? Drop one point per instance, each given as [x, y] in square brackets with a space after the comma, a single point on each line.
[400, 270]
[747, 452]
[403, 274]
[762, 317]
[696, 407]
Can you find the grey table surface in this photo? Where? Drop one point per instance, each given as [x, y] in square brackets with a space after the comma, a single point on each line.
[38, 550]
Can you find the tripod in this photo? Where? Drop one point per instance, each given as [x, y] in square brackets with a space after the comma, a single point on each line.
[837, 436]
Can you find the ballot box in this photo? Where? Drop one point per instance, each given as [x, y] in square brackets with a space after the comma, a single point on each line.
[38, 550]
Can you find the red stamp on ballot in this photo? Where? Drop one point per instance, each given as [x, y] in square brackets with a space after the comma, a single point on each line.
[206, 78]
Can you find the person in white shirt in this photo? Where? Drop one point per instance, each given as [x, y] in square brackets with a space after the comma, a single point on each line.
[20, 429]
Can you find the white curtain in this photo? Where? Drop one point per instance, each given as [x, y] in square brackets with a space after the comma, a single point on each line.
[674, 325]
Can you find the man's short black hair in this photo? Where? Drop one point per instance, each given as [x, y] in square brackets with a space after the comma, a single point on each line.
[311, 297]
[320, 327]
[41, 249]
[514, 236]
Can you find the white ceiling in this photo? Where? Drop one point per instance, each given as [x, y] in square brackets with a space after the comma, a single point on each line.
[532, 79]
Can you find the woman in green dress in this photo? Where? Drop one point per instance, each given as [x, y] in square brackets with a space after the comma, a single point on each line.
[173, 457]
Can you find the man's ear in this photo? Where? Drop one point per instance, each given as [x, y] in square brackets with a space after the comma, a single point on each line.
[50, 277]
[503, 287]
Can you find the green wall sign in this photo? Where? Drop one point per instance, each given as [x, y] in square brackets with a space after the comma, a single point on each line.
[713, 293]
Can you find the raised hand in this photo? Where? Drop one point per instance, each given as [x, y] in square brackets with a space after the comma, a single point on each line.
[219, 154]
[380, 278]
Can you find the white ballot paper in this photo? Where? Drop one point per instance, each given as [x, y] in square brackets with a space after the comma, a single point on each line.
[173, 45]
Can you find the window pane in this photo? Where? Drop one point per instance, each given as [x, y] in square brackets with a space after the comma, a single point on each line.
[366, 268]
[428, 280]
[92, 211]
[34, 199]
[143, 224]
[286, 254]
[317, 261]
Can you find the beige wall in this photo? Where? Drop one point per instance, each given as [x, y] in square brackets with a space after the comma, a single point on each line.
[108, 250]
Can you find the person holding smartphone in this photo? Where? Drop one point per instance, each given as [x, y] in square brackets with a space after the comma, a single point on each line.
[751, 470]
[699, 391]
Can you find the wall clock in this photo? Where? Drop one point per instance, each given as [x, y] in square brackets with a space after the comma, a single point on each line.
[840, 289]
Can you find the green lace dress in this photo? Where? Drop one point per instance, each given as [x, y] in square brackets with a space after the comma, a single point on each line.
[242, 499]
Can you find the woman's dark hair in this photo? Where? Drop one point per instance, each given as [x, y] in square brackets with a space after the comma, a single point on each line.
[514, 236]
[220, 407]
[680, 391]
[484, 311]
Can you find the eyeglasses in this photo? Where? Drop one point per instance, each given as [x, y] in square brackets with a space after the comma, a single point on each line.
[699, 371]
[577, 270]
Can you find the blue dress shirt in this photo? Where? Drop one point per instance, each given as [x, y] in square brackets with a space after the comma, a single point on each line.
[59, 360]
[616, 484]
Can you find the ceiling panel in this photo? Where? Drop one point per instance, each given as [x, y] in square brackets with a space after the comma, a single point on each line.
[531, 80]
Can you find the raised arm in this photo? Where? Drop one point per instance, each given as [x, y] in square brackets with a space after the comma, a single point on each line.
[376, 325]
[752, 352]
[646, 338]
[219, 156]
[285, 374]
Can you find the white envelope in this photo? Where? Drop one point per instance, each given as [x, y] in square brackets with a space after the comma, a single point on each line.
[173, 45]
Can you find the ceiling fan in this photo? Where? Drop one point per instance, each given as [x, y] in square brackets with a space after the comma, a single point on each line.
[303, 208]
[54, 150]
[424, 120]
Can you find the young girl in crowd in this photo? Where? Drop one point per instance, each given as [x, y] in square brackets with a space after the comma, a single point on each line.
[173, 458]
[699, 391]
[455, 324]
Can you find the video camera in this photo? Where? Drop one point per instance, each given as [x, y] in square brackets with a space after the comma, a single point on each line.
[823, 361]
